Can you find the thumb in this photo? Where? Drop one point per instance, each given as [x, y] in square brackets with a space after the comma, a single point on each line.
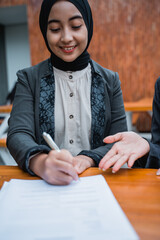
[113, 138]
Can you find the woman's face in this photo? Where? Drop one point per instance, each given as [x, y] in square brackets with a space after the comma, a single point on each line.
[67, 34]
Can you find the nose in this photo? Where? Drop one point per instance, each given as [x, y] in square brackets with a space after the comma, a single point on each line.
[66, 36]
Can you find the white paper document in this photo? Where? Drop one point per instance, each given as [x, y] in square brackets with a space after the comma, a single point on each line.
[83, 210]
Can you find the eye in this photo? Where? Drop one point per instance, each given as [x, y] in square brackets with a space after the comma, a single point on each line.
[76, 27]
[55, 30]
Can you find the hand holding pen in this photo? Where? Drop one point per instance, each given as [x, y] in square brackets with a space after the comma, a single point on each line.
[59, 164]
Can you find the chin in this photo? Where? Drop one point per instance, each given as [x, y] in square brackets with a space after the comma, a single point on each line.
[68, 60]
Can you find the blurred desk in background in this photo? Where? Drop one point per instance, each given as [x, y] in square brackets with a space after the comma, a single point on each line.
[5, 157]
[2, 142]
[4, 116]
[143, 105]
[5, 109]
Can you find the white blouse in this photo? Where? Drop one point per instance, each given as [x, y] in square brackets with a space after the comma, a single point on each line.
[73, 109]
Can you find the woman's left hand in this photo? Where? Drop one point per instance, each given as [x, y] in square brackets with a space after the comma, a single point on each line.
[82, 162]
[128, 148]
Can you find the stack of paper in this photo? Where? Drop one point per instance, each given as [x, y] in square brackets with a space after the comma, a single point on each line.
[86, 209]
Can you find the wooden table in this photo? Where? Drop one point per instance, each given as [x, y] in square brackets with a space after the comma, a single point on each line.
[136, 190]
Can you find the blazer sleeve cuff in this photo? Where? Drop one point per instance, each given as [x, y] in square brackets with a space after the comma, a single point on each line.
[153, 160]
[30, 153]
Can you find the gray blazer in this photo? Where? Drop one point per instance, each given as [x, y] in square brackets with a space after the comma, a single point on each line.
[24, 135]
[154, 154]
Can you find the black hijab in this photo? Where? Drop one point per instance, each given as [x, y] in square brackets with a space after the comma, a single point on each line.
[82, 61]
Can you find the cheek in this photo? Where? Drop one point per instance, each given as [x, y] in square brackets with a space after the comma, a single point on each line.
[85, 36]
[52, 40]
[85, 39]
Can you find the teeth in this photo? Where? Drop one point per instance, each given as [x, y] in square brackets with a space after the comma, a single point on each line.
[67, 49]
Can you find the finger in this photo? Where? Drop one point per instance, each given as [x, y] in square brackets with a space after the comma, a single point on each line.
[81, 163]
[111, 162]
[80, 167]
[121, 161]
[158, 172]
[54, 165]
[77, 166]
[132, 159]
[113, 138]
[63, 155]
[111, 153]
[60, 178]
[67, 168]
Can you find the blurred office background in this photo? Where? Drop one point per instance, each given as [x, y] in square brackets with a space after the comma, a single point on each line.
[14, 45]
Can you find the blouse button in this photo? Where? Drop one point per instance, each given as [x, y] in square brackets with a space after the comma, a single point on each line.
[71, 141]
[70, 76]
[71, 94]
[71, 116]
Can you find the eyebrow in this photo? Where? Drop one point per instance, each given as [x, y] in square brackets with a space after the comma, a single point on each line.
[70, 19]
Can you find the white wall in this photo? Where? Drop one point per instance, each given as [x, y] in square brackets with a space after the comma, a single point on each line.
[17, 51]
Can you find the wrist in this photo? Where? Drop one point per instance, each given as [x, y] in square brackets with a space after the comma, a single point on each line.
[36, 163]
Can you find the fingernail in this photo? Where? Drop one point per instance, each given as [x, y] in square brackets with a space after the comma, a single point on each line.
[100, 168]
[113, 171]
[103, 169]
[158, 173]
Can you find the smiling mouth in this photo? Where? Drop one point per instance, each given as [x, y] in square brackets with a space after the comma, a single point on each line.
[68, 49]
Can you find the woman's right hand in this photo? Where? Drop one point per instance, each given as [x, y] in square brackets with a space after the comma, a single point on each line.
[55, 167]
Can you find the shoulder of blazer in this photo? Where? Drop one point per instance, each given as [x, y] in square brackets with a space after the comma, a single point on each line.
[157, 84]
[109, 77]
[107, 74]
[101, 70]
[33, 74]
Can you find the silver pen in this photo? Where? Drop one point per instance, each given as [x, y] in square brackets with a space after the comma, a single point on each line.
[50, 141]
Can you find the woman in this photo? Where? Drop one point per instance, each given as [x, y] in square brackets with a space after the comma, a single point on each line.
[69, 96]
[131, 147]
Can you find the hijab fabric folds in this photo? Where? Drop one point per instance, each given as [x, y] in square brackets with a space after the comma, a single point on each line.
[82, 61]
